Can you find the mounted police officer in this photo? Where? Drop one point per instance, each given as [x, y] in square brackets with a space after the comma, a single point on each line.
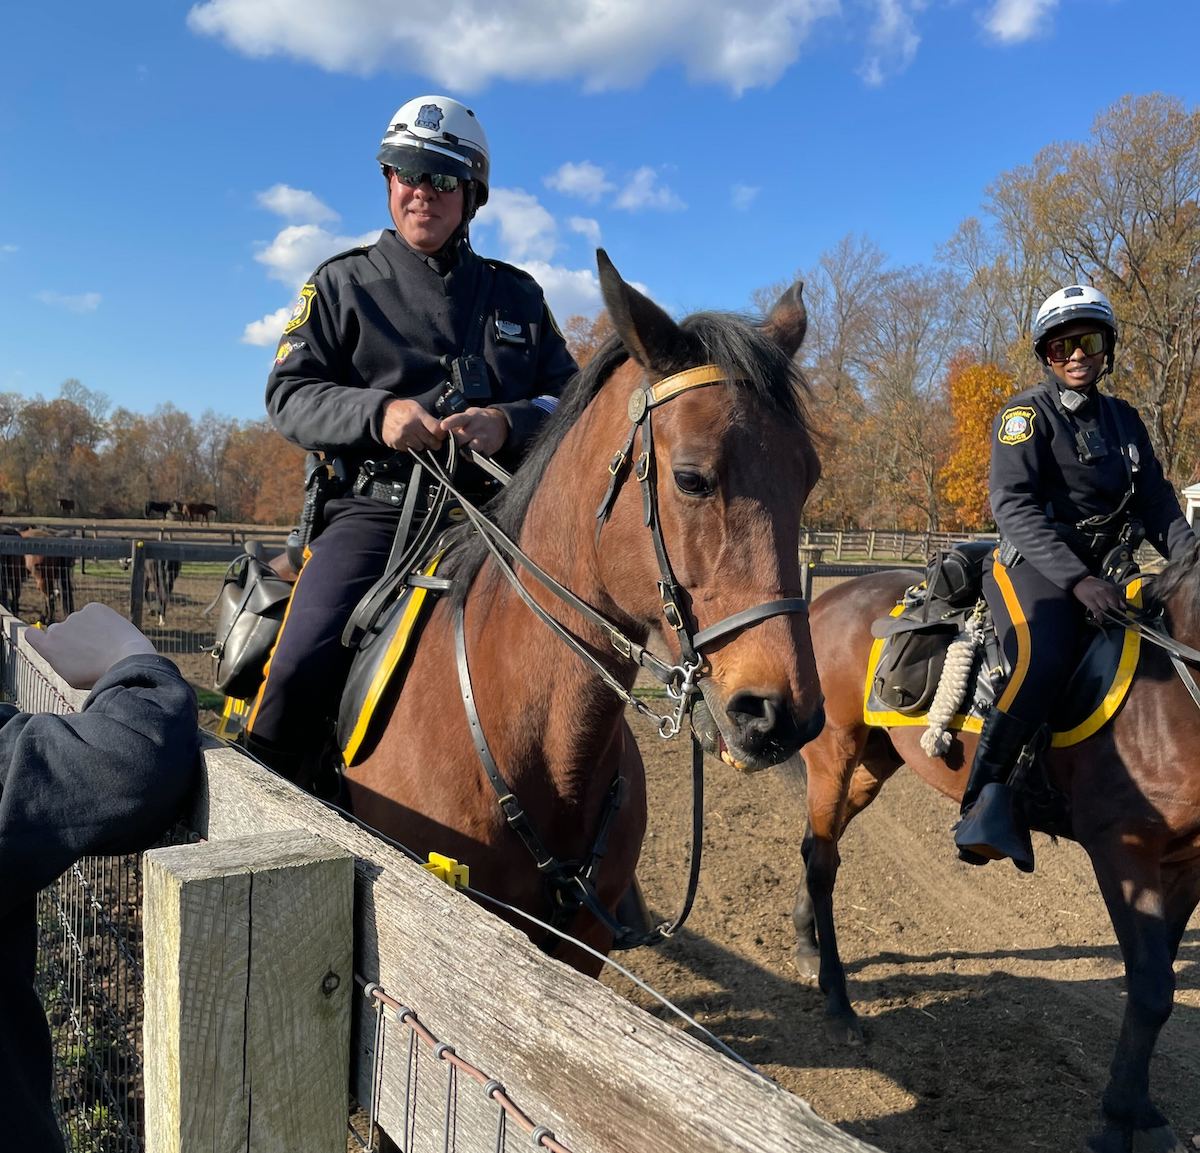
[1075, 487]
[391, 347]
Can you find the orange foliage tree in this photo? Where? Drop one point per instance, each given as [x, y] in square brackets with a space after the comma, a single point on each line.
[976, 393]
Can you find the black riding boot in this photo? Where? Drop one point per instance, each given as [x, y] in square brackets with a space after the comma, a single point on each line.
[313, 770]
[990, 828]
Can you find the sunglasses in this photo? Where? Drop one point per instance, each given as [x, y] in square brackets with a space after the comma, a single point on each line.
[1059, 350]
[440, 181]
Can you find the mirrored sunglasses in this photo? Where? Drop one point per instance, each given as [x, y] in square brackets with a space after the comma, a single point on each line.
[439, 180]
[1060, 349]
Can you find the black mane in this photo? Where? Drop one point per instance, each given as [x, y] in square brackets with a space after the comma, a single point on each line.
[1182, 572]
[735, 343]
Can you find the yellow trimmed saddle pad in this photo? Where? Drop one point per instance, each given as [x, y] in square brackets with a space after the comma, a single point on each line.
[1094, 694]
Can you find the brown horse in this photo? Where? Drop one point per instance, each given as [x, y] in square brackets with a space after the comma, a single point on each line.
[54, 577]
[1133, 790]
[721, 478]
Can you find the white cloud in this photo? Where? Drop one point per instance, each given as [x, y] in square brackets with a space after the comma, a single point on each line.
[585, 180]
[569, 291]
[79, 302]
[743, 195]
[588, 228]
[526, 230]
[603, 43]
[1012, 21]
[642, 190]
[7, 249]
[892, 41]
[295, 204]
[266, 332]
[299, 248]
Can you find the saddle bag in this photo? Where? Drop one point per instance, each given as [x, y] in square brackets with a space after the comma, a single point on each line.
[910, 668]
[251, 606]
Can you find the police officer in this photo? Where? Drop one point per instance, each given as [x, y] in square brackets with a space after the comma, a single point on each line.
[1075, 486]
[390, 347]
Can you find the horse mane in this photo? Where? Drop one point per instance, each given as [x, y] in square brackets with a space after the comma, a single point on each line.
[735, 343]
[1182, 573]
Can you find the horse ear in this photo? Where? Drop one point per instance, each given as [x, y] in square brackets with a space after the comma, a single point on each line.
[650, 336]
[787, 321]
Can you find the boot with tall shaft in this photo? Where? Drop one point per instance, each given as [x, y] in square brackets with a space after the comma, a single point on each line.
[991, 827]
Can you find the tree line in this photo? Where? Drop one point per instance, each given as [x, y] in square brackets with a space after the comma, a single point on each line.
[907, 365]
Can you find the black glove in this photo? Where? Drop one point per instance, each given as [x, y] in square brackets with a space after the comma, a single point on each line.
[1099, 597]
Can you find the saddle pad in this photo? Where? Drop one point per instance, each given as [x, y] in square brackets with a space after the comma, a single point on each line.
[376, 663]
[1093, 695]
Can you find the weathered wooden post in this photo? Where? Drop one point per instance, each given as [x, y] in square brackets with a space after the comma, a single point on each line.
[248, 989]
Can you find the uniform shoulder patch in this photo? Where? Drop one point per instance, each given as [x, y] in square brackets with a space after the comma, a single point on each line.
[1016, 424]
[302, 308]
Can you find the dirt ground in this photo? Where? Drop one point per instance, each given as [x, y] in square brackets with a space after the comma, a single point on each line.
[990, 1000]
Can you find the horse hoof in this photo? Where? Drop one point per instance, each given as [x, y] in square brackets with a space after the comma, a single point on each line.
[1118, 1139]
[808, 965]
[844, 1029]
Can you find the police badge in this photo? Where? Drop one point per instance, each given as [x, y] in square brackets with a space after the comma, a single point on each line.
[429, 117]
[1016, 425]
[301, 309]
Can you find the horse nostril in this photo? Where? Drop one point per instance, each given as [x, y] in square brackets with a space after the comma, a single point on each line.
[755, 716]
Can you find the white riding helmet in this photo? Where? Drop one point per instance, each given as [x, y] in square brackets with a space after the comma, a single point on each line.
[438, 134]
[1075, 302]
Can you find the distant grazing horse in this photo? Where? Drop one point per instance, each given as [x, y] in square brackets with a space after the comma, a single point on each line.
[66, 505]
[1133, 790]
[54, 577]
[12, 573]
[688, 534]
[198, 510]
[160, 582]
[158, 508]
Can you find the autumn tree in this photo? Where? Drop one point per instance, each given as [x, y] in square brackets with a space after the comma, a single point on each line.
[584, 335]
[976, 392]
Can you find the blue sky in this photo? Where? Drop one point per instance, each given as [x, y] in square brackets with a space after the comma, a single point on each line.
[170, 173]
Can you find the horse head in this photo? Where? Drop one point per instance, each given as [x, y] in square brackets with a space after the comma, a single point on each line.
[699, 529]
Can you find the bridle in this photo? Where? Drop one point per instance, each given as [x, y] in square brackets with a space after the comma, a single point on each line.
[573, 884]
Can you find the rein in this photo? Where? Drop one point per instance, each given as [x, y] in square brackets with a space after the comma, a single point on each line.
[573, 884]
[1152, 630]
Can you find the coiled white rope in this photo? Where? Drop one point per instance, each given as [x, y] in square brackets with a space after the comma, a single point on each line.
[957, 674]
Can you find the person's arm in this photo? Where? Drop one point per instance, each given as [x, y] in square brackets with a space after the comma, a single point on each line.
[307, 399]
[110, 778]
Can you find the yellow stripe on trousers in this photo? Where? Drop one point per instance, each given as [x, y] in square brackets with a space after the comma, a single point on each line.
[1017, 615]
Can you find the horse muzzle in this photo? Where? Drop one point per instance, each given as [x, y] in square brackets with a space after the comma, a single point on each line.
[754, 731]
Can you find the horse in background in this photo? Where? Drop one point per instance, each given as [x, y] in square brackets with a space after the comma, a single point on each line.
[160, 583]
[194, 510]
[1132, 790]
[158, 508]
[54, 577]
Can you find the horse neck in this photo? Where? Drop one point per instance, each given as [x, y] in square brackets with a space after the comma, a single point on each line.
[565, 709]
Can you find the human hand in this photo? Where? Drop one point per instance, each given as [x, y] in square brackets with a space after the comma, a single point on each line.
[407, 425]
[87, 644]
[483, 430]
[1099, 597]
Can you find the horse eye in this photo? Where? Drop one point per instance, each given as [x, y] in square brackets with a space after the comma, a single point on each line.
[693, 483]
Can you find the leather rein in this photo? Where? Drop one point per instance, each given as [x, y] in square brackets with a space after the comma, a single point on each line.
[1151, 628]
[572, 884]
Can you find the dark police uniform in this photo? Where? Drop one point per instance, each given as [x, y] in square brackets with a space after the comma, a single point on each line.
[1057, 479]
[109, 779]
[376, 324]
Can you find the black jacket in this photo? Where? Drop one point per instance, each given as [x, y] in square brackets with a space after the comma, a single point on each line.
[1041, 488]
[108, 779]
[373, 325]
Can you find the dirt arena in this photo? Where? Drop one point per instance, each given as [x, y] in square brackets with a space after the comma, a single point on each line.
[990, 1000]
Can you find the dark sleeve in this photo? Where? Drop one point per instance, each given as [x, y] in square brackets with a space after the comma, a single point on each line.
[1019, 502]
[307, 398]
[108, 779]
[555, 366]
[1157, 503]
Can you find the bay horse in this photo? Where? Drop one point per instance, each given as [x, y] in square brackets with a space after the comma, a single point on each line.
[54, 577]
[1133, 790]
[720, 482]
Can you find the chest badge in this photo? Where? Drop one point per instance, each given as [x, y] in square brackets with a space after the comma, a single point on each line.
[509, 332]
[1016, 425]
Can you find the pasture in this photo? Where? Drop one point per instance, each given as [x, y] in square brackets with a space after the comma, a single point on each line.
[990, 1000]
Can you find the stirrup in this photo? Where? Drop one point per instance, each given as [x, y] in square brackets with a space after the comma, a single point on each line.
[990, 830]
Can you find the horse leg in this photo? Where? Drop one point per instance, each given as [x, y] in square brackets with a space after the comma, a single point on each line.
[68, 593]
[1181, 895]
[845, 771]
[1132, 889]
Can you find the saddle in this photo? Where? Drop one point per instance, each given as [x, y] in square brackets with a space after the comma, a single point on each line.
[941, 636]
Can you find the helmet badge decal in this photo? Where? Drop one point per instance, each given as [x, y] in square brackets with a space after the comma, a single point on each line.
[429, 117]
